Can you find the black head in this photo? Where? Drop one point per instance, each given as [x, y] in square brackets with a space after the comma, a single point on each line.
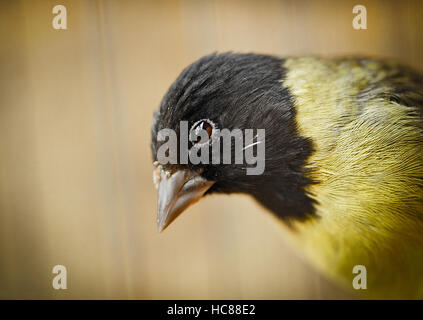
[234, 91]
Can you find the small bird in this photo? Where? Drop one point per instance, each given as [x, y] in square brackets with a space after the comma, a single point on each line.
[343, 149]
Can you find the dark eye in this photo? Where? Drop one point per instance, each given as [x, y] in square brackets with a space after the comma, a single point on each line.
[202, 125]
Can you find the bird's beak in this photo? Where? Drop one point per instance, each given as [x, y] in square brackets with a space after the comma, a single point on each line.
[177, 192]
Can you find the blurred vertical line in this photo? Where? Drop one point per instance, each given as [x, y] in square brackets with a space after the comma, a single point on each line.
[318, 286]
[411, 33]
[8, 272]
[293, 9]
[26, 223]
[106, 61]
[199, 27]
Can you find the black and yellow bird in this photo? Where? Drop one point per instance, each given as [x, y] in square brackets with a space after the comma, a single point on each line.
[343, 157]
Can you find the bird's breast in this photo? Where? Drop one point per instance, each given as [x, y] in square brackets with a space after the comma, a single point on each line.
[367, 166]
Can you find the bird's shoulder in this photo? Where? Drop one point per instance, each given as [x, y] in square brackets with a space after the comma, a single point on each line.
[366, 144]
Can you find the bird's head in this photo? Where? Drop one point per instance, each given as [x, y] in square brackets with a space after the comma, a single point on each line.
[227, 125]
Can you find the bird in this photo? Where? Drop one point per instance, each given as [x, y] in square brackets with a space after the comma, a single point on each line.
[343, 173]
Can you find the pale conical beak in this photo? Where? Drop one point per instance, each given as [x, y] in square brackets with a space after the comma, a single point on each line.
[177, 192]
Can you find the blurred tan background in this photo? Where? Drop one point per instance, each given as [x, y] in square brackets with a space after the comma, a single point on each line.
[75, 166]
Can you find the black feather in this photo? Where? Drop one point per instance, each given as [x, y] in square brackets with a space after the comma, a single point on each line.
[244, 91]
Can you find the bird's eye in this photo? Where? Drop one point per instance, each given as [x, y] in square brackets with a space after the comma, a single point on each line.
[202, 125]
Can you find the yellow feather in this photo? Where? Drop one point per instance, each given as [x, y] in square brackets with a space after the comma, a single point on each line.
[368, 165]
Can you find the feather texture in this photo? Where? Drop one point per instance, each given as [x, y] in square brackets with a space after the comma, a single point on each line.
[364, 120]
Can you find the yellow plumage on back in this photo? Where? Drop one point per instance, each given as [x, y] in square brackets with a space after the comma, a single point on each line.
[364, 120]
